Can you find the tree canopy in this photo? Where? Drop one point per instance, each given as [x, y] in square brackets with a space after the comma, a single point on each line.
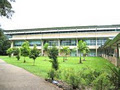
[6, 8]
[4, 43]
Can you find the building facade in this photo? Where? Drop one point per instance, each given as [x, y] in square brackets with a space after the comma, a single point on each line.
[94, 36]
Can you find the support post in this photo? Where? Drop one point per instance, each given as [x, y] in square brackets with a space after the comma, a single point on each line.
[42, 47]
[117, 62]
[11, 44]
[77, 47]
[96, 47]
[59, 47]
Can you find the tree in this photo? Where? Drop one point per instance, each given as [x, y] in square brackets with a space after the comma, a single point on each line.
[81, 47]
[9, 52]
[53, 54]
[6, 8]
[25, 50]
[34, 53]
[66, 51]
[4, 43]
[17, 53]
[45, 47]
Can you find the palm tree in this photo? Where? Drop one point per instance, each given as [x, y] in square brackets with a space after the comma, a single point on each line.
[81, 47]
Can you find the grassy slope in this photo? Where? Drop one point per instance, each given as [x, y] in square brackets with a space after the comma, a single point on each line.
[42, 66]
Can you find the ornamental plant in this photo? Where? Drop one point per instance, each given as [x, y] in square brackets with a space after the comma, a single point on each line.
[34, 53]
[25, 50]
[53, 54]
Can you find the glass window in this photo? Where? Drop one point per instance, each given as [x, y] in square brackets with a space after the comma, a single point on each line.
[18, 43]
[90, 42]
[35, 42]
[52, 42]
[68, 43]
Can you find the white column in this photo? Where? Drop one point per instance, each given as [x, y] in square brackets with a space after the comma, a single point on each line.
[76, 46]
[96, 46]
[11, 44]
[42, 47]
[59, 47]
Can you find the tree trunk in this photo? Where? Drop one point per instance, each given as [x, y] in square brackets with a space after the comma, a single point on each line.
[84, 58]
[63, 59]
[34, 62]
[24, 60]
[80, 59]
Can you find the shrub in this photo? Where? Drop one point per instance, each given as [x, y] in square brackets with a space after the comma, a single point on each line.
[101, 82]
[10, 51]
[51, 74]
[114, 77]
[34, 53]
[17, 53]
[25, 50]
[53, 54]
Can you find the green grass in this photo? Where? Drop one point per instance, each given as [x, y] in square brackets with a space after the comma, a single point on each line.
[42, 66]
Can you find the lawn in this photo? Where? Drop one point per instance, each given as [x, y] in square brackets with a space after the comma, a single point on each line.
[43, 64]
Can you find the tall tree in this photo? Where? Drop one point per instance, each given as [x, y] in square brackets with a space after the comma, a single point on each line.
[34, 53]
[81, 47]
[65, 51]
[25, 50]
[6, 8]
[4, 43]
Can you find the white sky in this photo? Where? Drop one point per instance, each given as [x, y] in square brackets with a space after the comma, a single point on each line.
[56, 13]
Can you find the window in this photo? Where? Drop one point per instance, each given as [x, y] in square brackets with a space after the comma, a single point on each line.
[35, 42]
[68, 42]
[52, 42]
[90, 42]
[18, 43]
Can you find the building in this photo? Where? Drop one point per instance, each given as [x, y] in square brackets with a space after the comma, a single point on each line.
[94, 36]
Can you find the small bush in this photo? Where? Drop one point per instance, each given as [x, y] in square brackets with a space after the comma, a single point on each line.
[10, 51]
[52, 74]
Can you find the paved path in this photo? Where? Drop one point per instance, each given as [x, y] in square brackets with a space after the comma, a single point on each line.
[15, 78]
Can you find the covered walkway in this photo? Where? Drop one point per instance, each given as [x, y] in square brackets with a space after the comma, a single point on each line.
[110, 50]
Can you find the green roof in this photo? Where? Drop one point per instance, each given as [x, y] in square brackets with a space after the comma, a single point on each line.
[115, 40]
[112, 42]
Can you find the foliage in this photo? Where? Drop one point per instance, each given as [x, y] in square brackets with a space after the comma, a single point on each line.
[81, 47]
[14, 51]
[34, 53]
[6, 8]
[52, 74]
[66, 51]
[25, 50]
[45, 47]
[17, 52]
[53, 54]
[10, 51]
[114, 77]
[102, 82]
[72, 78]
[85, 52]
[4, 43]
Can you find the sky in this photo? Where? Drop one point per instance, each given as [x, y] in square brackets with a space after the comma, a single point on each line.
[57, 13]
